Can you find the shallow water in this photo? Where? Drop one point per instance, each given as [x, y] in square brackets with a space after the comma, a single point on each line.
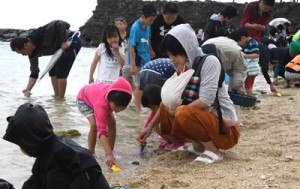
[15, 166]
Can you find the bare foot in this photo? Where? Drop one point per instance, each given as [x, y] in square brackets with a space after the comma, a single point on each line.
[198, 147]
[288, 84]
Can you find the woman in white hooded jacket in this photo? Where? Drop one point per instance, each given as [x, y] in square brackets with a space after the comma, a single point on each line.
[195, 121]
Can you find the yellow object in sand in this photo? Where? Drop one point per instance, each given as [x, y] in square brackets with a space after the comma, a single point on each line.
[115, 168]
[279, 94]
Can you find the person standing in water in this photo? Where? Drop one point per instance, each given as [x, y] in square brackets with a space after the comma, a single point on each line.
[46, 40]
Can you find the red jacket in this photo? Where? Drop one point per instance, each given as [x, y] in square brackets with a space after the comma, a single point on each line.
[251, 15]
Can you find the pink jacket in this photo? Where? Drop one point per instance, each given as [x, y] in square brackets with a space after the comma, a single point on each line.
[95, 96]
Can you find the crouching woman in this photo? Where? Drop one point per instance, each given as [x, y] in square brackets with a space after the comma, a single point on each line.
[196, 119]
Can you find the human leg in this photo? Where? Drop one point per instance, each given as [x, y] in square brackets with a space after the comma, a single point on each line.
[88, 112]
[126, 74]
[164, 131]
[166, 121]
[62, 85]
[54, 85]
[112, 130]
[137, 99]
[92, 135]
[201, 126]
[64, 66]
[227, 122]
[137, 92]
[249, 85]
[59, 86]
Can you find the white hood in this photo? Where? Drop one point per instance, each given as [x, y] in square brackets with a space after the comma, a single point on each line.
[185, 34]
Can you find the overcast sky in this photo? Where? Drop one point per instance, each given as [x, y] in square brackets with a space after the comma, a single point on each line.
[26, 14]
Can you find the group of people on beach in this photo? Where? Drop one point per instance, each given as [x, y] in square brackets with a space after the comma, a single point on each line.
[160, 64]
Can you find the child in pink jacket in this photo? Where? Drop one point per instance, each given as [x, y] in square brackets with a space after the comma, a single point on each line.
[97, 102]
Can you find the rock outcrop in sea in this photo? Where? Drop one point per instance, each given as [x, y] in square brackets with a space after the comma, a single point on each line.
[195, 12]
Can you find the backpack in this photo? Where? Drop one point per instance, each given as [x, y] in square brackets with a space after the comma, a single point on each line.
[197, 66]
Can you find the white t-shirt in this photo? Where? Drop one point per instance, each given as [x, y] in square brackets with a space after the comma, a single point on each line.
[108, 68]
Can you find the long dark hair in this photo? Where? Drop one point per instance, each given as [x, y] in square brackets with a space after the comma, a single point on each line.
[109, 32]
[172, 45]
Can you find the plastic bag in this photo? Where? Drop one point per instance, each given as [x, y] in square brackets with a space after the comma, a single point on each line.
[173, 88]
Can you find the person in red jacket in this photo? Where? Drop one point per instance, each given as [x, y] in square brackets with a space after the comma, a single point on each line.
[256, 17]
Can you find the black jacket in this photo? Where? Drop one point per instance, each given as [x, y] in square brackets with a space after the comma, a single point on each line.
[159, 28]
[47, 40]
[214, 28]
[60, 162]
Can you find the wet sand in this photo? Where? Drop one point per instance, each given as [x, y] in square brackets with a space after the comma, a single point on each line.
[267, 155]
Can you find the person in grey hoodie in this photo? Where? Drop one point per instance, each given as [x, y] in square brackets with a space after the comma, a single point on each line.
[196, 121]
[216, 25]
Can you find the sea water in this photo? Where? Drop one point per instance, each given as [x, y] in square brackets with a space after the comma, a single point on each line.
[14, 165]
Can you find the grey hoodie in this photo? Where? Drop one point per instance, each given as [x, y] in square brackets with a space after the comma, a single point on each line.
[215, 17]
[210, 71]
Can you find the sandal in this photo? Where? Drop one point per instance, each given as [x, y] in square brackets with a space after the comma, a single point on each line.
[209, 157]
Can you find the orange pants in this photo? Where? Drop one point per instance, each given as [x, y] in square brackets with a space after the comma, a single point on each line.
[197, 125]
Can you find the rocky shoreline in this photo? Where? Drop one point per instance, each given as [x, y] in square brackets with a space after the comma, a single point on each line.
[195, 12]
[7, 35]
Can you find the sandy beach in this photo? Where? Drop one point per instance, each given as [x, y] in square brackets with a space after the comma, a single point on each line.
[267, 155]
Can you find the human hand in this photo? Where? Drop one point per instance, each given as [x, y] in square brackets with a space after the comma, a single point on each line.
[64, 46]
[26, 93]
[142, 137]
[259, 27]
[91, 80]
[110, 160]
[115, 47]
[273, 88]
[239, 89]
[152, 54]
[275, 82]
[133, 69]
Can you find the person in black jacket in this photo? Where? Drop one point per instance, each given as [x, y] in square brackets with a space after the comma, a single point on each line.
[216, 26]
[162, 24]
[60, 162]
[46, 40]
[5, 185]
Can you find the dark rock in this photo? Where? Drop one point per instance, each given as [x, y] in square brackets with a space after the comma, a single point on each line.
[8, 34]
[195, 12]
